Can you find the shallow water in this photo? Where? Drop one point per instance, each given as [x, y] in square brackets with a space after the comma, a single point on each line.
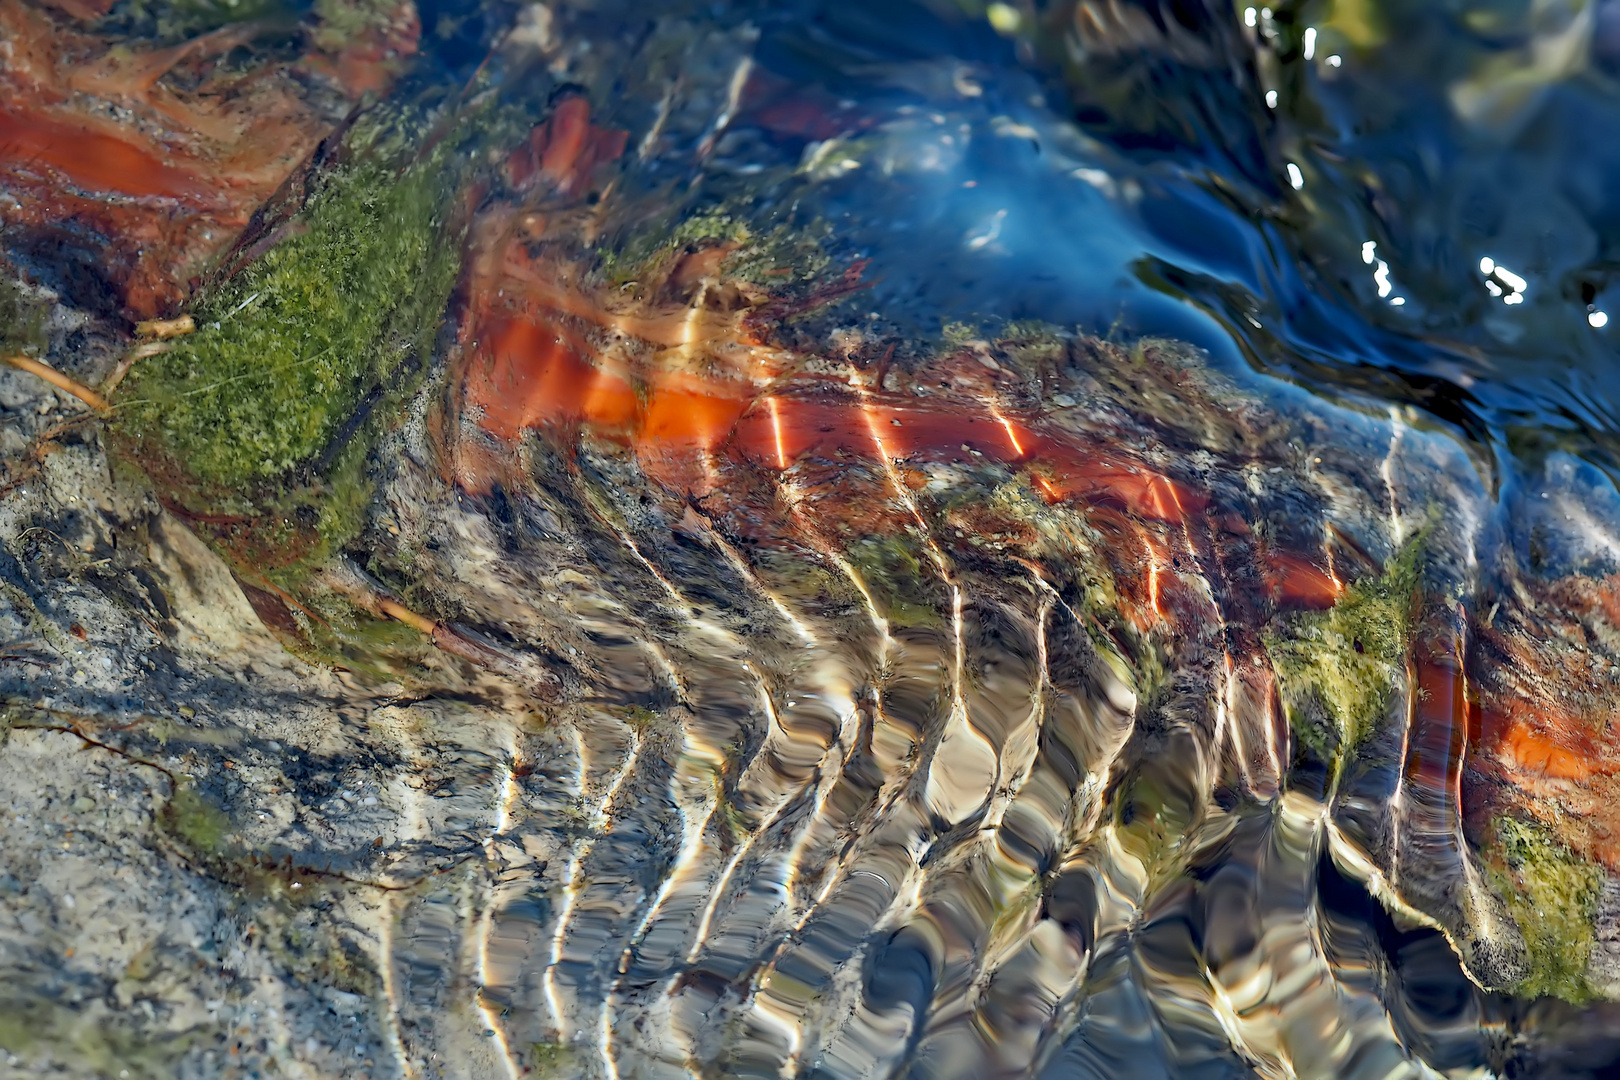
[823, 539]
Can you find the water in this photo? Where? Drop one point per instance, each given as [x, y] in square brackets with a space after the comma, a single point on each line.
[811, 539]
[1169, 207]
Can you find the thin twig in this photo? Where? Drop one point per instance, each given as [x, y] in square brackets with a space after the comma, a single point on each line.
[400, 613]
[60, 381]
[139, 352]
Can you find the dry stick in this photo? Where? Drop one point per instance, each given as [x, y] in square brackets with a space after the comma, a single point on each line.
[60, 381]
[166, 328]
[400, 613]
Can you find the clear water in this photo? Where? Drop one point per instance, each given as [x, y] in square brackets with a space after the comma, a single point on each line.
[1181, 172]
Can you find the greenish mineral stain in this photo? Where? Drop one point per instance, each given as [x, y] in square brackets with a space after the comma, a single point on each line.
[1552, 895]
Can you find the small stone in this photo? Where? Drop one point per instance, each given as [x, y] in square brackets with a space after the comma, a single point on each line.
[83, 804]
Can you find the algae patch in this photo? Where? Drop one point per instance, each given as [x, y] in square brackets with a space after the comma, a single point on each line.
[288, 347]
[196, 822]
[258, 425]
[1553, 896]
[22, 320]
[1337, 668]
[898, 581]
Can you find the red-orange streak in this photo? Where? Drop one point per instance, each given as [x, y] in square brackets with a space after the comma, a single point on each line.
[93, 159]
[824, 426]
[1525, 749]
[1296, 582]
[528, 374]
[565, 136]
[1440, 726]
[683, 412]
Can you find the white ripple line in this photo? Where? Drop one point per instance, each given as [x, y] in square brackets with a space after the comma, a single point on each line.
[506, 792]
[743, 849]
[1002, 802]
[599, 817]
[937, 556]
[1387, 471]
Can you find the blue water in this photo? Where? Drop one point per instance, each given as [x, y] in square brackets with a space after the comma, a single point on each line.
[1175, 171]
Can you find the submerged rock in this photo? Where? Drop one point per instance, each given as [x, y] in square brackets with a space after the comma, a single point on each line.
[533, 622]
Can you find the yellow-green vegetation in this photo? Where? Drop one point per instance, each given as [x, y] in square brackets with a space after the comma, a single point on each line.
[370, 646]
[549, 1059]
[624, 265]
[899, 581]
[341, 21]
[335, 22]
[79, 1041]
[286, 349]
[639, 718]
[195, 822]
[774, 258]
[1337, 668]
[1552, 895]
[173, 19]
[22, 320]
[262, 418]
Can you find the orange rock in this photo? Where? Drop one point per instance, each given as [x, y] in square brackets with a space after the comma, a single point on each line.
[161, 192]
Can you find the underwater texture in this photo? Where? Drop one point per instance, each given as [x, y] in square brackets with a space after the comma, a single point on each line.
[812, 539]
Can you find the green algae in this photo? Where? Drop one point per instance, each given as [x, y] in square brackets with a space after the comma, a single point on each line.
[171, 20]
[1336, 669]
[768, 257]
[195, 822]
[259, 424]
[335, 23]
[624, 264]
[341, 21]
[90, 1041]
[287, 348]
[1552, 895]
[22, 320]
[374, 648]
[549, 1059]
[893, 570]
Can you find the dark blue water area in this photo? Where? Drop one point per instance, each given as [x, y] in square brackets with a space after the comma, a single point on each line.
[1176, 171]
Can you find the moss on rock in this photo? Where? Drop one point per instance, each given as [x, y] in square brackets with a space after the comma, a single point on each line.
[1341, 665]
[287, 348]
[1552, 895]
[259, 424]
